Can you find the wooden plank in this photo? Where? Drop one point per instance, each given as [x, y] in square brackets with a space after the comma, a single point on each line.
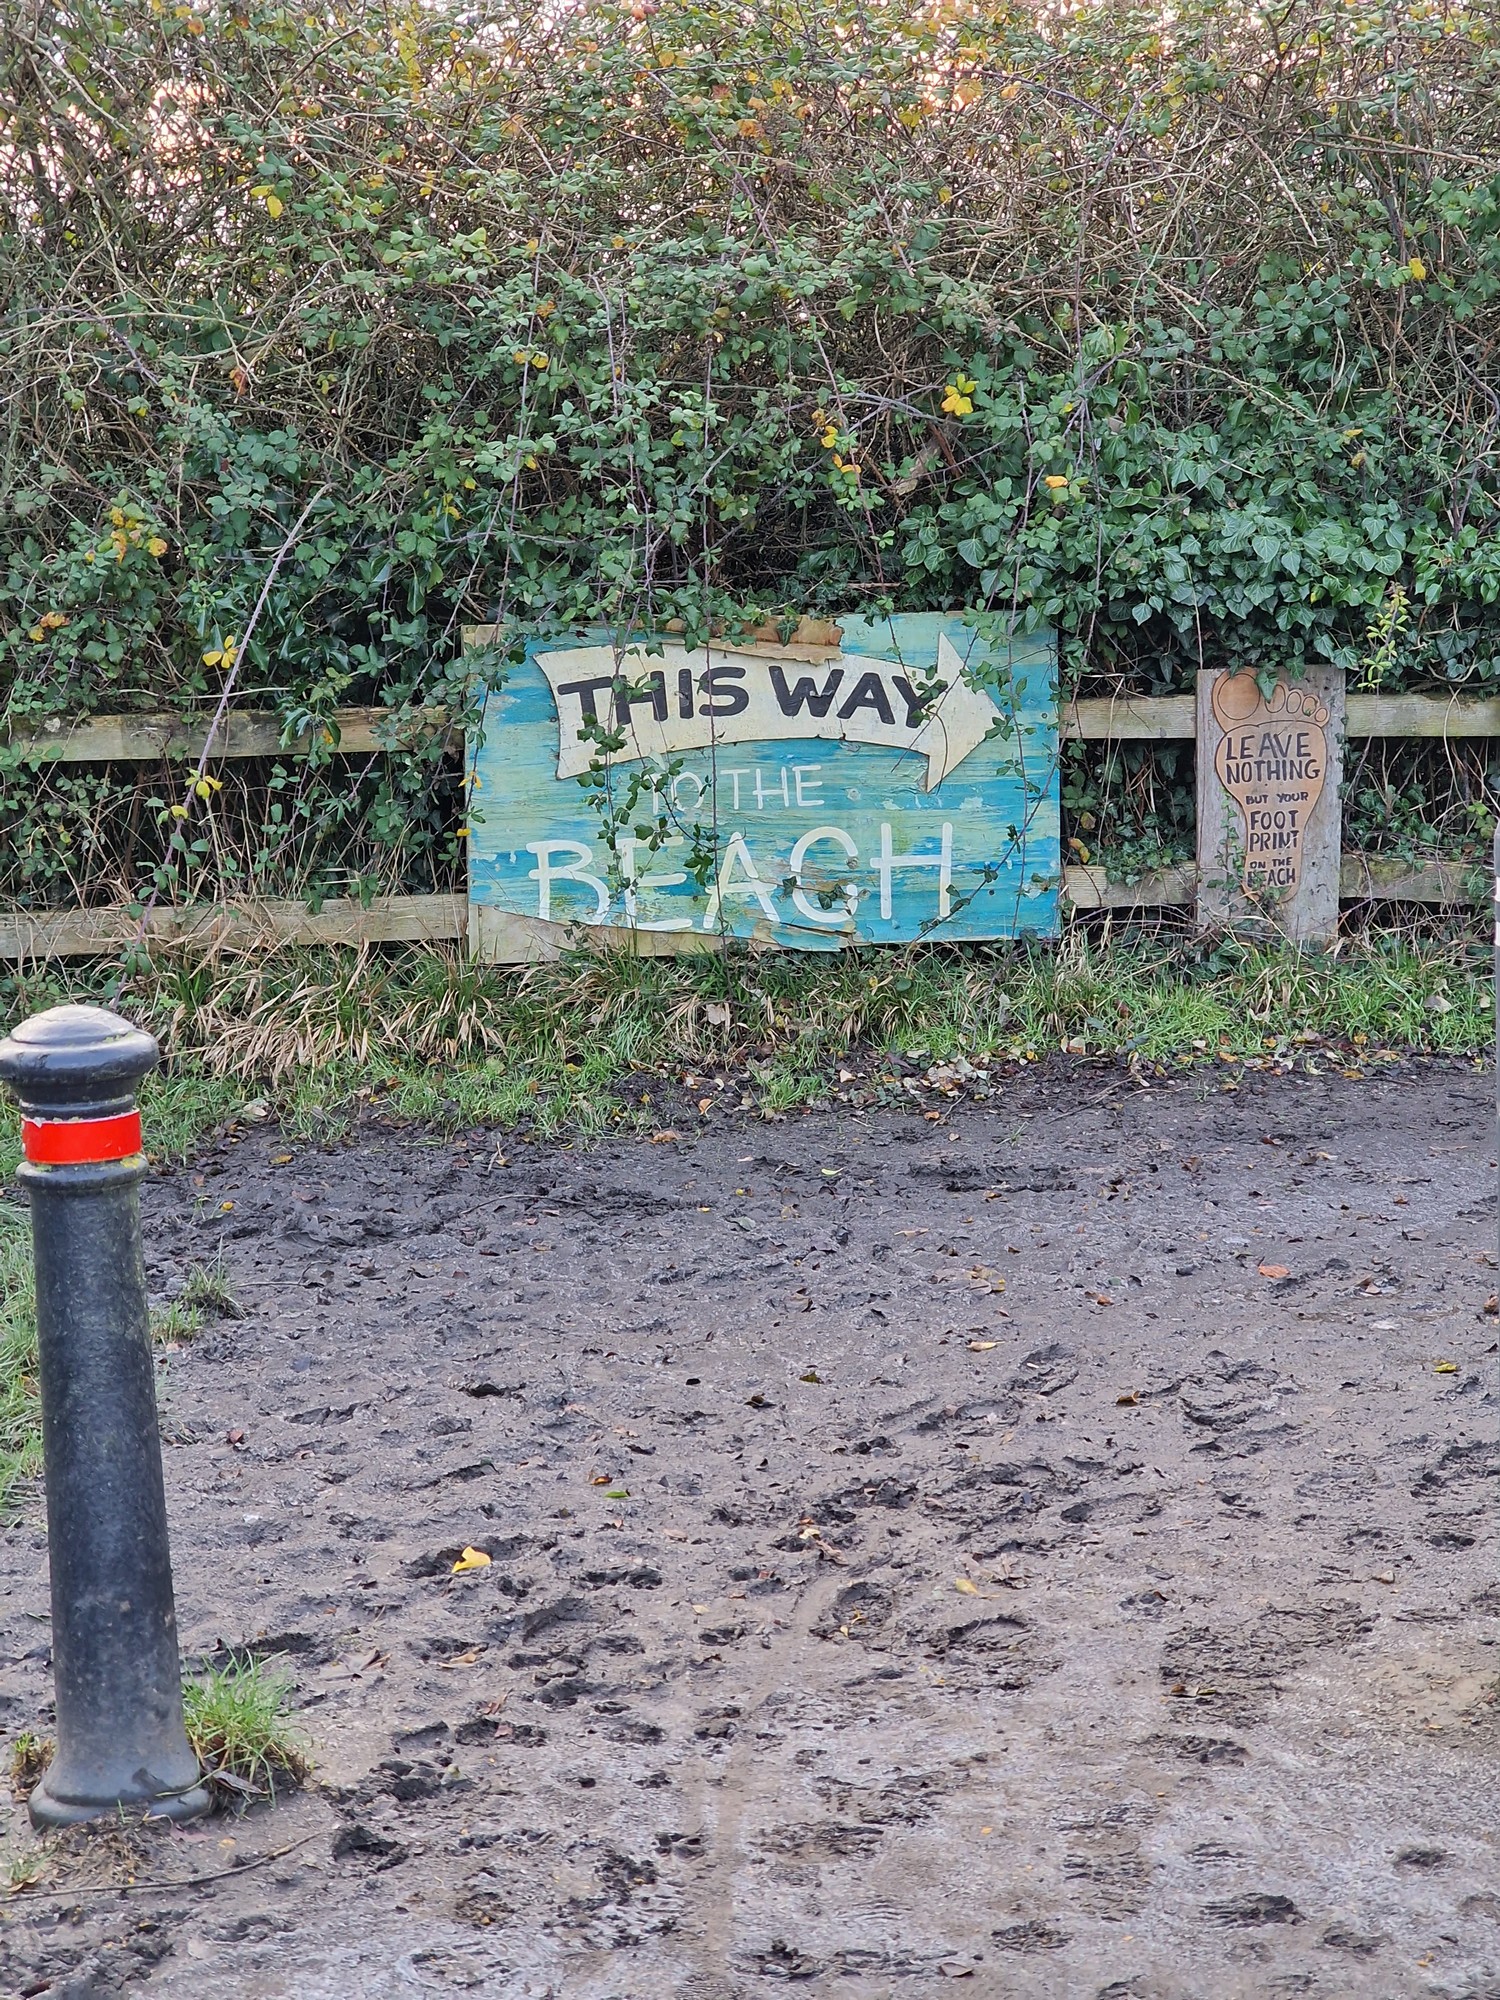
[1422, 715]
[1387, 878]
[1122, 719]
[145, 738]
[28, 934]
[1091, 889]
[511, 940]
[1130, 719]
[504, 937]
[1166, 718]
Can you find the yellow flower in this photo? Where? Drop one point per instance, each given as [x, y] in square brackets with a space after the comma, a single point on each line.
[830, 438]
[36, 633]
[1418, 269]
[206, 787]
[520, 358]
[222, 655]
[539, 361]
[957, 402]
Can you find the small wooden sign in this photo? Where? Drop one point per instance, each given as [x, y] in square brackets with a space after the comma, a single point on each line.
[1270, 767]
[896, 783]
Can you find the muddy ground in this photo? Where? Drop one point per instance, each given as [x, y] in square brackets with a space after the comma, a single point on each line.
[1050, 1545]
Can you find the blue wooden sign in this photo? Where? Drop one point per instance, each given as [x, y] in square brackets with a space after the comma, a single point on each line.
[900, 784]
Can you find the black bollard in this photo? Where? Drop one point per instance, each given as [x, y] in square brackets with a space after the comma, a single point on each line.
[120, 1738]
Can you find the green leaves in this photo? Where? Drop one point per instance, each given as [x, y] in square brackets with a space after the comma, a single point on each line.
[1168, 276]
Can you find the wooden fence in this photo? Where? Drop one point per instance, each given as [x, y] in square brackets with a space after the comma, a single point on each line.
[26, 934]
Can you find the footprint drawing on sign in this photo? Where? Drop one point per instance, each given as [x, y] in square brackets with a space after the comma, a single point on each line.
[1272, 760]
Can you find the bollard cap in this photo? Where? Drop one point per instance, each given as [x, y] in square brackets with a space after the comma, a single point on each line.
[76, 1062]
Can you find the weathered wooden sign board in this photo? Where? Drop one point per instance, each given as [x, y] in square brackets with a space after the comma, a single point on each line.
[1270, 770]
[897, 784]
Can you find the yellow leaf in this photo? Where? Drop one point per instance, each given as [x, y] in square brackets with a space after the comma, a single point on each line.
[538, 360]
[1418, 269]
[1446, 1367]
[260, 193]
[520, 359]
[969, 1589]
[617, 242]
[36, 633]
[532, 246]
[156, 546]
[1054, 482]
[471, 1559]
[213, 659]
[274, 207]
[179, 812]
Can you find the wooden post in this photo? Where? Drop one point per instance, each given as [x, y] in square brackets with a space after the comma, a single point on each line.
[1269, 777]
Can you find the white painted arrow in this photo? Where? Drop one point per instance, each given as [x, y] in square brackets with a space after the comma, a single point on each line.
[960, 722]
[681, 701]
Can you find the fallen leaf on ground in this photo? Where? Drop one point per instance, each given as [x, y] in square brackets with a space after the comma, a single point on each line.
[661, 1138]
[465, 1659]
[471, 1559]
[969, 1589]
[982, 1346]
[1273, 1270]
[1127, 1400]
[1446, 1367]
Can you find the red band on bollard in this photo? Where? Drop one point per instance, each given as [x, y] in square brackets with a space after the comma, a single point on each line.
[80, 1142]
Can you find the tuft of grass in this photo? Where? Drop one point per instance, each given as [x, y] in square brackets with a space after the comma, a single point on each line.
[20, 1396]
[239, 1724]
[206, 1289]
[23, 1868]
[29, 1757]
[174, 1324]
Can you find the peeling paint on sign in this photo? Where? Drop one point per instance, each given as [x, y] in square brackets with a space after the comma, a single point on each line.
[901, 784]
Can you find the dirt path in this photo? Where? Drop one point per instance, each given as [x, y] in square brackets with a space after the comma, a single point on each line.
[1037, 1547]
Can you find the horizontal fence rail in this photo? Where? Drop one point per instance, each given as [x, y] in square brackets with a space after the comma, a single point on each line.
[26, 934]
[359, 732]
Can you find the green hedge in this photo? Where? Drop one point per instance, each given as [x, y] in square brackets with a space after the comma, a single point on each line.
[1174, 328]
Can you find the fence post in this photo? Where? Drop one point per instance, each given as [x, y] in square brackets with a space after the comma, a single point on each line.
[120, 1736]
[1270, 770]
